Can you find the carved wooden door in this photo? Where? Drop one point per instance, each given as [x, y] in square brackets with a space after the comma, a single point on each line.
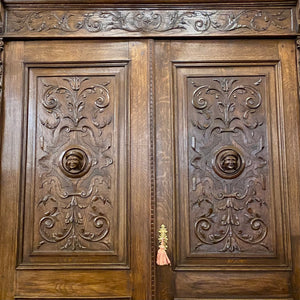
[227, 153]
[104, 141]
[74, 188]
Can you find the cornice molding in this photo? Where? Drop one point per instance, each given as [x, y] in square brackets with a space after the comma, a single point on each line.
[155, 2]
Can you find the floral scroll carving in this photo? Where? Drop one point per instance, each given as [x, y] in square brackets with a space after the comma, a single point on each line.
[150, 21]
[75, 164]
[228, 165]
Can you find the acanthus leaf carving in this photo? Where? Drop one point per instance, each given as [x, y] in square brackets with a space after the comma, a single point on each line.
[228, 165]
[224, 118]
[75, 207]
[150, 21]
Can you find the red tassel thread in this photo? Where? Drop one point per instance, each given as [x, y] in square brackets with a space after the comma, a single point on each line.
[162, 258]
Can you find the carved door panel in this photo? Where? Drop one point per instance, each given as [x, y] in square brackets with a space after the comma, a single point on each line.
[226, 146]
[75, 138]
[81, 193]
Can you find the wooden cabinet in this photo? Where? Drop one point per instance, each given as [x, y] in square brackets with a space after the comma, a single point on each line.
[118, 118]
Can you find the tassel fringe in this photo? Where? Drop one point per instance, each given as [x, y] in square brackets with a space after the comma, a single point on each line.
[162, 258]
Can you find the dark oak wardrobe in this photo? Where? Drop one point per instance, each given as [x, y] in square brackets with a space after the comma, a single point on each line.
[127, 125]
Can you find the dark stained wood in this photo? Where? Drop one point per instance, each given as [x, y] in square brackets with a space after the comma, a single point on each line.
[140, 171]
[80, 230]
[256, 298]
[170, 2]
[77, 124]
[224, 113]
[149, 22]
[10, 166]
[244, 284]
[120, 116]
[80, 298]
[164, 158]
[212, 224]
[63, 283]
[292, 121]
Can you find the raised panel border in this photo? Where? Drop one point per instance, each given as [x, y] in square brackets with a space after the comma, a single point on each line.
[117, 263]
[279, 261]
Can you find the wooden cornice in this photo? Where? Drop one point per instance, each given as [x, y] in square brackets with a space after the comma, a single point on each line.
[156, 2]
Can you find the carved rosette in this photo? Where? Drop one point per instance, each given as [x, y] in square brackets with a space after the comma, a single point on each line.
[74, 164]
[150, 21]
[228, 165]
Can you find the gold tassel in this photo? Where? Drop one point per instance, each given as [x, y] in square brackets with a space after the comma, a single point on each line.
[162, 257]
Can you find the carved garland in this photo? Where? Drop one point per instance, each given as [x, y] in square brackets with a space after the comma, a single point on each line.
[150, 21]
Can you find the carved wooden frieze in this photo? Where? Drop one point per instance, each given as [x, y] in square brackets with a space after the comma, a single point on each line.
[78, 184]
[149, 22]
[228, 165]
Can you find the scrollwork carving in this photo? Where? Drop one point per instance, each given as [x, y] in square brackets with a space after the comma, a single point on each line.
[230, 232]
[228, 165]
[150, 21]
[225, 94]
[74, 230]
[75, 164]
